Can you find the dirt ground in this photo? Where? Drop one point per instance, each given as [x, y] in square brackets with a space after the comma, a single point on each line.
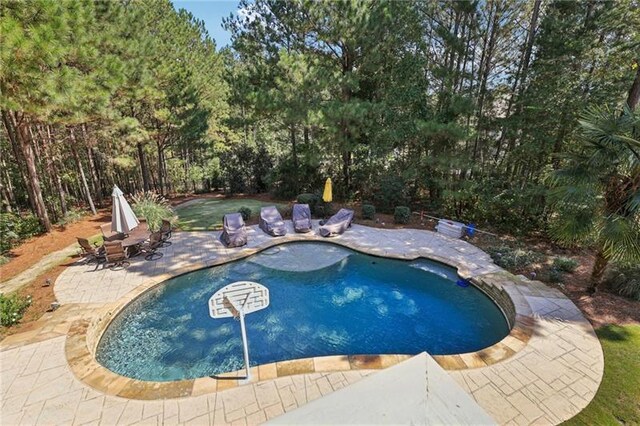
[32, 250]
[41, 298]
[601, 308]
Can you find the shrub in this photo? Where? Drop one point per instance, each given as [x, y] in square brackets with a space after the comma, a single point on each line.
[153, 208]
[72, 216]
[624, 280]
[3, 260]
[14, 228]
[245, 212]
[402, 214]
[565, 264]
[285, 211]
[29, 226]
[513, 258]
[555, 275]
[392, 191]
[368, 211]
[9, 231]
[12, 307]
[308, 198]
[323, 209]
[316, 205]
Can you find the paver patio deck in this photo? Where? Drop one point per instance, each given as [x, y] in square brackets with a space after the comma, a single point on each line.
[545, 381]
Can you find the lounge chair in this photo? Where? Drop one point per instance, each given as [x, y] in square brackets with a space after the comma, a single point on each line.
[271, 221]
[337, 224]
[301, 218]
[234, 234]
[91, 253]
[166, 229]
[115, 254]
[109, 235]
[151, 246]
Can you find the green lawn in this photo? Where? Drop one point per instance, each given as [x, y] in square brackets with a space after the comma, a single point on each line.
[618, 399]
[206, 214]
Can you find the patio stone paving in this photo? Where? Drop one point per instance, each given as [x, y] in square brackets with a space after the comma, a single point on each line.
[545, 381]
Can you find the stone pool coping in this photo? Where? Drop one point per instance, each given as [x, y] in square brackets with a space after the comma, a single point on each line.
[84, 335]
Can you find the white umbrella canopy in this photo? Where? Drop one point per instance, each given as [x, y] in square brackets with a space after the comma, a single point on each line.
[123, 219]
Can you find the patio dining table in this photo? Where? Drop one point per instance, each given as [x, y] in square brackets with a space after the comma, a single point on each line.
[132, 241]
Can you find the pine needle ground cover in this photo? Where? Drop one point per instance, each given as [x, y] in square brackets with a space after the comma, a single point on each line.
[618, 398]
[206, 215]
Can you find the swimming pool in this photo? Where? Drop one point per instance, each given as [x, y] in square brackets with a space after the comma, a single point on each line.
[325, 300]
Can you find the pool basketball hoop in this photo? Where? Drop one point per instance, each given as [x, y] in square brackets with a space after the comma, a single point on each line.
[236, 300]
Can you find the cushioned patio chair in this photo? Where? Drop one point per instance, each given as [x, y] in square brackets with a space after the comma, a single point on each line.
[301, 217]
[91, 252]
[151, 246]
[337, 224]
[109, 235]
[115, 254]
[271, 221]
[165, 230]
[234, 233]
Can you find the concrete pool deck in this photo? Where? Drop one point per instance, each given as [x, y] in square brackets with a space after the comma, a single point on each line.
[545, 372]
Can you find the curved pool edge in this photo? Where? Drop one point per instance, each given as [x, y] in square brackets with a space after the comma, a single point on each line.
[84, 335]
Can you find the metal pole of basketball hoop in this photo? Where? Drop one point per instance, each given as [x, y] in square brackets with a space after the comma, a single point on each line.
[243, 330]
[236, 300]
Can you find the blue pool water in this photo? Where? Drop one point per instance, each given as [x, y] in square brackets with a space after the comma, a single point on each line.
[342, 302]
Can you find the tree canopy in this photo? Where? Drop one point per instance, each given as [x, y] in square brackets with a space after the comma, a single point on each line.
[466, 109]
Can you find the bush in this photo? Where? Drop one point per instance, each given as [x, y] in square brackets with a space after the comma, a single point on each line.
[368, 211]
[565, 264]
[9, 231]
[316, 205]
[153, 207]
[72, 216]
[29, 226]
[392, 191]
[14, 228]
[323, 209]
[12, 307]
[624, 280]
[245, 212]
[285, 211]
[402, 214]
[555, 275]
[3, 260]
[514, 258]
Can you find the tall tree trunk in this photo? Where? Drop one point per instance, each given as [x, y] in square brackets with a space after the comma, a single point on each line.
[294, 156]
[634, 92]
[484, 76]
[521, 76]
[8, 121]
[144, 169]
[160, 169]
[530, 39]
[95, 183]
[50, 158]
[8, 187]
[32, 172]
[599, 266]
[347, 68]
[83, 178]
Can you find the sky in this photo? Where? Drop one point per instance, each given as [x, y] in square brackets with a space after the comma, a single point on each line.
[211, 12]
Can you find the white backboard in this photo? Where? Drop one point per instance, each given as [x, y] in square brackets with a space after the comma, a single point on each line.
[247, 296]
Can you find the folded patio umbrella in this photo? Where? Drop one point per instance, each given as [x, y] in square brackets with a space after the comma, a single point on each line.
[123, 219]
[234, 234]
[337, 224]
[271, 221]
[327, 195]
[301, 218]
